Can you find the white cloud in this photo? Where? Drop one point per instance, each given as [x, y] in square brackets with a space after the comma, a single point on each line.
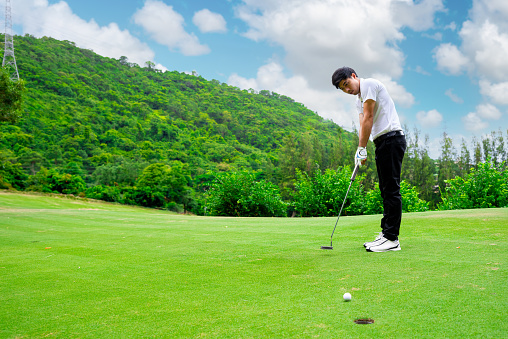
[397, 92]
[161, 67]
[39, 18]
[487, 47]
[488, 111]
[332, 104]
[421, 70]
[484, 43]
[436, 36]
[455, 98]
[318, 36]
[166, 27]
[430, 119]
[496, 92]
[451, 26]
[418, 16]
[450, 59]
[472, 122]
[475, 121]
[209, 22]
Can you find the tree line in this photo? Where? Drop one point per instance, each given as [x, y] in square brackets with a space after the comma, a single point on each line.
[107, 129]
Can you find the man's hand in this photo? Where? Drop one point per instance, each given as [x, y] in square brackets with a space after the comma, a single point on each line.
[360, 156]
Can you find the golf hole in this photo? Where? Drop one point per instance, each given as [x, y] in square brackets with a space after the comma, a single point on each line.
[364, 321]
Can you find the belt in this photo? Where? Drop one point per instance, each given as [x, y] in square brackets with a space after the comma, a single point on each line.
[382, 137]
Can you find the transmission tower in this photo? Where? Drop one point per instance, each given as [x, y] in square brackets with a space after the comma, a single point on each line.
[9, 61]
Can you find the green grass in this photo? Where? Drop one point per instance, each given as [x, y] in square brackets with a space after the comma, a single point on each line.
[78, 269]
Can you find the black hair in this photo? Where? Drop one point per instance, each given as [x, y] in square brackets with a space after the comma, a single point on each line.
[342, 73]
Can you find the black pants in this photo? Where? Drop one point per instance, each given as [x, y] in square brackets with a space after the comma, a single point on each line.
[389, 156]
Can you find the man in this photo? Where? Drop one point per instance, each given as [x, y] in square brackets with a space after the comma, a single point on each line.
[379, 120]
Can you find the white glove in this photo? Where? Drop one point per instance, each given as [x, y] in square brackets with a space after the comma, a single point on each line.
[361, 155]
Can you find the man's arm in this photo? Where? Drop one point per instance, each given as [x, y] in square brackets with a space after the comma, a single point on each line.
[366, 121]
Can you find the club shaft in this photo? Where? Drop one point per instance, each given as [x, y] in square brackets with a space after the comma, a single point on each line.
[353, 176]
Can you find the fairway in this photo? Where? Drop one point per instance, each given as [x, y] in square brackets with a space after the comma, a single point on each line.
[79, 269]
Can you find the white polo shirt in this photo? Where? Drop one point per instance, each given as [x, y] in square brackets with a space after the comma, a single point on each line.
[386, 118]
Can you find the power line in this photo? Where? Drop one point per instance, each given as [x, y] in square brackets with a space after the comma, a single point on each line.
[9, 61]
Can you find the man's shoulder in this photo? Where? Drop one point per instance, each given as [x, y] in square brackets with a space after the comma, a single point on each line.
[372, 82]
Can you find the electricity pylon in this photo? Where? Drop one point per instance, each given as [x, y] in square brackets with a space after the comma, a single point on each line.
[9, 61]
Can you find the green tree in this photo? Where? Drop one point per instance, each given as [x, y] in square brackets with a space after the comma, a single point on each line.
[446, 161]
[483, 187]
[11, 98]
[12, 175]
[322, 194]
[418, 169]
[410, 200]
[464, 161]
[240, 194]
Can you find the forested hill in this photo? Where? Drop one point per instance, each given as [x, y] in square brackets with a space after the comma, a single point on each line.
[107, 119]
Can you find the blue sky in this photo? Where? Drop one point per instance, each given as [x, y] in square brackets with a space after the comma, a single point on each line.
[444, 62]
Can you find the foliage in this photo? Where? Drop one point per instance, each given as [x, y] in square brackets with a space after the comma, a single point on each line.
[410, 200]
[105, 121]
[483, 187]
[12, 176]
[161, 185]
[50, 181]
[322, 194]
[112, 119]
[105, 193]
[11, 97]
[240, 194]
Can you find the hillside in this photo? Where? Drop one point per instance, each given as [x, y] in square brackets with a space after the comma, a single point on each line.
[105, 120]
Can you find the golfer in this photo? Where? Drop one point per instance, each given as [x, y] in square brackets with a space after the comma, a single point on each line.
[379, 120]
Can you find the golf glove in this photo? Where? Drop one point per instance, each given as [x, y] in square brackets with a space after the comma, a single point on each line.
[361, 155]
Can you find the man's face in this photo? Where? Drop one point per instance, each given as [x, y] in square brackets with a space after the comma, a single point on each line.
[350, 85]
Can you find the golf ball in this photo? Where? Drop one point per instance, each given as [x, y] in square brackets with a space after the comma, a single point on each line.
[347, 296]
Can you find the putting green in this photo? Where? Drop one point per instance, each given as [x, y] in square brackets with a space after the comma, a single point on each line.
[70, 268]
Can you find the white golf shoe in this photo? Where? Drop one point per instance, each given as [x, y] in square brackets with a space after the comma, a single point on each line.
[372, 243]
[384, 245]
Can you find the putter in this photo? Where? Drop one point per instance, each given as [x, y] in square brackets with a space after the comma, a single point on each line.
[353, 176]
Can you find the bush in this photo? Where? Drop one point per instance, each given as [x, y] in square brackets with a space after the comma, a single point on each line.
[239, 194]
[410, 200]
[483, 187]
[322, 195]
[105, 193]
[50, 181]
[12, 176]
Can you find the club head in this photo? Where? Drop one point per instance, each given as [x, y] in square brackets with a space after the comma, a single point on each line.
[327, 247]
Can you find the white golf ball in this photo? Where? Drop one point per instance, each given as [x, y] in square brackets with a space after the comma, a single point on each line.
[347, 296]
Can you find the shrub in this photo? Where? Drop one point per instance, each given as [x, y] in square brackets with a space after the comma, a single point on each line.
[51, 181]
[12, 176]
[483, 187]
[240, 194]
[410, 200]
[105, 193]
[322, 194]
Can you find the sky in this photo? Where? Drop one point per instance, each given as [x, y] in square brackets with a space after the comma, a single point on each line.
[444, 62]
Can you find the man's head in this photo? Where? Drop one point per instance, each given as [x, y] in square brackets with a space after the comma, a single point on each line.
[346, 79]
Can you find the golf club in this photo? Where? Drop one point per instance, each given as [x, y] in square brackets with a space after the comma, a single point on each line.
[353, 176]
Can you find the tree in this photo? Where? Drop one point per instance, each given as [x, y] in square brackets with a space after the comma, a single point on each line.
[11, 98]
[322, 194]
[464, 161]
[446, 161]
[240, 194]
[483, 187]
[477, 151]
[418, 169]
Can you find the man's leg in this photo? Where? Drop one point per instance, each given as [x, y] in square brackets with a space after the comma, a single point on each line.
[389, 156]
